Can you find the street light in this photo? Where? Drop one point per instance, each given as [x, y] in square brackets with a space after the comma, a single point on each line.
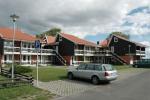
[14, 19]
[131, 62]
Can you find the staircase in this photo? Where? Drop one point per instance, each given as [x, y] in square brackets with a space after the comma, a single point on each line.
[118, 58]
[60, 58]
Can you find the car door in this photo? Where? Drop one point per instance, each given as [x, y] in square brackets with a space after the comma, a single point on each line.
[89, 71]
[80, 71]
[99, 70]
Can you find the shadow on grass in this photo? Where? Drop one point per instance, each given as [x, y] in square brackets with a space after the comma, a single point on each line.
[62, 77]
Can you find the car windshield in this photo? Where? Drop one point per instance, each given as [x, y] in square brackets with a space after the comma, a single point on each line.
[108, 67]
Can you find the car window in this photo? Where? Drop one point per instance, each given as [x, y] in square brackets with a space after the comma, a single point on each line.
[98, 68]
[108, 67]
[82, 66]
[90, 67]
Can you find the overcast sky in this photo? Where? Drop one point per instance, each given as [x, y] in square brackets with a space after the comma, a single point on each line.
[90, 19]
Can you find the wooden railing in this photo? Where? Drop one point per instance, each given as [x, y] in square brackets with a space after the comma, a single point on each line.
[19, 77]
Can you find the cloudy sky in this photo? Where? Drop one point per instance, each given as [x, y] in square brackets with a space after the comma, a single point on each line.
[89, 19]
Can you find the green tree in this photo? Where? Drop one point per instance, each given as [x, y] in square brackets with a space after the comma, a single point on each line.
[51, 32]
[121, 34]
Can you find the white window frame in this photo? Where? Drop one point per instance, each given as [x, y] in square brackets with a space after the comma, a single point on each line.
[60, 38]
[115, 39]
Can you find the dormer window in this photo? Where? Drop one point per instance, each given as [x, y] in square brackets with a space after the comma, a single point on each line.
[115, 39]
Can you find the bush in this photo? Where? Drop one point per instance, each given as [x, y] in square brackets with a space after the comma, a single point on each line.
[21, 69]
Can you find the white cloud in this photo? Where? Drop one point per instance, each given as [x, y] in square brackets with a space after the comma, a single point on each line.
[80, 17]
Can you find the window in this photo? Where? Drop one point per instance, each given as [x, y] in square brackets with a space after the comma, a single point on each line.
[82, 66]
[115, 39]
[24, 58]
[98, 68]
[108, 67]
[90, 67]
[8, 43]
[5, 57]
[60, 38]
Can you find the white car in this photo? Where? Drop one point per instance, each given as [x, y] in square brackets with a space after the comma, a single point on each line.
[94, 72]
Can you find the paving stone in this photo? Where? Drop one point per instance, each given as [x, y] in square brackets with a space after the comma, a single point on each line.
[65, 87]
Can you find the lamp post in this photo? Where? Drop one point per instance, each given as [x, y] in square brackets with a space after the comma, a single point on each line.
[14, 19]
[130, 53]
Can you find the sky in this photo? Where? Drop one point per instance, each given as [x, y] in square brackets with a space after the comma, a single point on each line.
[93, 20]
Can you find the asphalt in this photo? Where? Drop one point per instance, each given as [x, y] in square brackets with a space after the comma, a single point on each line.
[136, 87]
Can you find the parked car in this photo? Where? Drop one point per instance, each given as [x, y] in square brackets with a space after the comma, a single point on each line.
[94, 72]
[143, 63]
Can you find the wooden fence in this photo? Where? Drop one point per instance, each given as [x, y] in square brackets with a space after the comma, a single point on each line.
[19, 79]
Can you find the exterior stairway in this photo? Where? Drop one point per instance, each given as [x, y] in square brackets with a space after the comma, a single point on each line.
[60, 58]
[119, 58]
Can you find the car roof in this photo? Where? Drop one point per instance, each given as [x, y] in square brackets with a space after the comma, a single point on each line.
[95, 63]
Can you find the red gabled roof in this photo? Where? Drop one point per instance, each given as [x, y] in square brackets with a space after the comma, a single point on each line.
[77, 40]
[7, 33]
[51, 39]
[104, 43]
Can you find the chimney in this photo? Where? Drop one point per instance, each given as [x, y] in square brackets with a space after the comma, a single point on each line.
[97, 42]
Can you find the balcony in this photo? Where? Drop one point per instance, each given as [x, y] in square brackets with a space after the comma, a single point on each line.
[103, 53]
[140, 53]
[33, 51]
[9, 50]
[79, 52]
[27, 51]
[92, 53]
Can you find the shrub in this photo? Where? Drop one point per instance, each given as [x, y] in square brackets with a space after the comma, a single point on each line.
[21, 69]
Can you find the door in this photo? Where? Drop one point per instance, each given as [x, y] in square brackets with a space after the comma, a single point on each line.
[80, 71]
[112, 49]
[57, 49]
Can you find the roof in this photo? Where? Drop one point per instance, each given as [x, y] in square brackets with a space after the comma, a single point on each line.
[7, 33]
[106, 42]
[51, 39]
[77, 40]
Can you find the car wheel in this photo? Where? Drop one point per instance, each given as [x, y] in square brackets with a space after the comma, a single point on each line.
[70, 76]
[95, 80]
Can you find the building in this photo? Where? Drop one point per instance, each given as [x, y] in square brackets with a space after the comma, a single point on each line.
[67, 49]
[24, 50]
[73, 50]
[123, 50]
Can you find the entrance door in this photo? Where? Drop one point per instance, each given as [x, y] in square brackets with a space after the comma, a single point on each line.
[112, 49]
[57, 49]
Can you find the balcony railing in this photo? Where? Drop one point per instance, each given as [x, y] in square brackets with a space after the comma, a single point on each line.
[139, 52]
[92, 52]
[18, 50]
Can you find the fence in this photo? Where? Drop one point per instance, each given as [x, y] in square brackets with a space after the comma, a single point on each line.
[19, 79]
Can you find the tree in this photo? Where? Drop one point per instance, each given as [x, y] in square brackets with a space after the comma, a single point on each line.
[51, 32]
[121, 34]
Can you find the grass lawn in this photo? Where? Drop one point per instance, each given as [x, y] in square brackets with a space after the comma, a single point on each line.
[24, 93]
[127, 68]
[49, 73]
[1, 77]
[122, 67]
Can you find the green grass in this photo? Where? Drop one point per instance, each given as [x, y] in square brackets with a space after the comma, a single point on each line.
[122, 67]
[2, 77]
[24, 93]
[50, 73]
[127, 68]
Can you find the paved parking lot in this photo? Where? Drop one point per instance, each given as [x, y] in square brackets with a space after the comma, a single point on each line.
[66, 87]
[72, 87]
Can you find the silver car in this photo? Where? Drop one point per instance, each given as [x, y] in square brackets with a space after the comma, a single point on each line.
[94, 72]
